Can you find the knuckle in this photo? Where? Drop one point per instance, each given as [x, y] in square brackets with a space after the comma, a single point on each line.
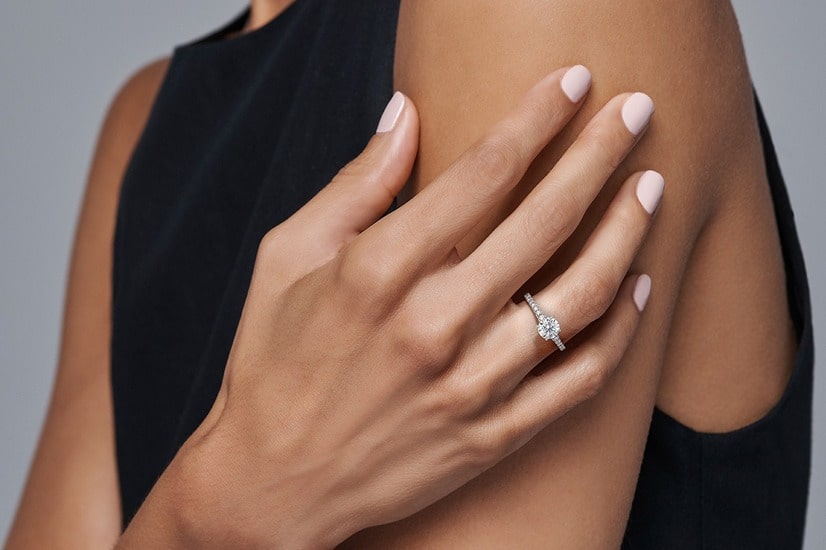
[366, 279]
[417, 354]
[465, 396]
[596, 371]
[361, 165]
[551, 220]
[270, 273]
[593, 295]
[630, 226]
[424, 342]
[487, 445]
[495, 158]
[352, 169]
[375, 276]
[270, 244]
[604, 145]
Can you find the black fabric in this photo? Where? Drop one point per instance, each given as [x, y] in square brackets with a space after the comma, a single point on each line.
[246, 129]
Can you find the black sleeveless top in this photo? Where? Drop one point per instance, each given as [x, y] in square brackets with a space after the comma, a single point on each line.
[244, 131]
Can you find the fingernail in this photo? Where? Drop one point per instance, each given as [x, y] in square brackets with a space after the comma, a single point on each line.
[641, 291]
[637, 111]
[391, 113]
[650, 190]
[575, 82]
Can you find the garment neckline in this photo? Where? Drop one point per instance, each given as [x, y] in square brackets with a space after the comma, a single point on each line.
[220, 39]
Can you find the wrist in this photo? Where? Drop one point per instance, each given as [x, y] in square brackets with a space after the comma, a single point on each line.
[157, 523]
[212, 496]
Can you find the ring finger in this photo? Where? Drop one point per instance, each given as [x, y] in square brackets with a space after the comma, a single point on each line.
[581, 294]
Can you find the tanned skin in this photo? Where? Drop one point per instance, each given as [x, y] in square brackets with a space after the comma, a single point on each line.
[701, 353]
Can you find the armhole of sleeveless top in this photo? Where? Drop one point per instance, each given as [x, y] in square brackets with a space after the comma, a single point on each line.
[798, 300]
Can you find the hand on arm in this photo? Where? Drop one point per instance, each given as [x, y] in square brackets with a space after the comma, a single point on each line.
[369, 379]
[574, 482]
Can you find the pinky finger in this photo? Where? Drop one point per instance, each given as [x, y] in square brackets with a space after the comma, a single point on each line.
[541, 399]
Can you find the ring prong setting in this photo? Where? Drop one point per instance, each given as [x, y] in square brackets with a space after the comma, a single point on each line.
[547, 326]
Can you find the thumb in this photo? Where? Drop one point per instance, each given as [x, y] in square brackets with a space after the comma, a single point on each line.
[364, 189]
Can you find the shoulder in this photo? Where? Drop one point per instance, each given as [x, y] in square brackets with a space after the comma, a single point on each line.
[122, 126]
[123, 123]
[144, 81]
[130, 106]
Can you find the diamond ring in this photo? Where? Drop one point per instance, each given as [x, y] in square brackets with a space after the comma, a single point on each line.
[547, 327]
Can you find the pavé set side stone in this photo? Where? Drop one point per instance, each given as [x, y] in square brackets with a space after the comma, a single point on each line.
[547, 326]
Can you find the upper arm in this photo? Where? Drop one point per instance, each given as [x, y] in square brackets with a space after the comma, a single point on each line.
[71, 496]
[465, 68]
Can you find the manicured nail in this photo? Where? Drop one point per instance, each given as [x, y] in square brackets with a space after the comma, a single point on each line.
[641, 291]
[575, 82]
[637, 111]
[650, 190]
[391, 113]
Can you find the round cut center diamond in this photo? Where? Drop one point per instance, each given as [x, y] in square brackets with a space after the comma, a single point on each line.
[548, 327]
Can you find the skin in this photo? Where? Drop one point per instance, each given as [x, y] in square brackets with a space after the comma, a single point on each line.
[574, 481]
[410, 360]
[573, 484]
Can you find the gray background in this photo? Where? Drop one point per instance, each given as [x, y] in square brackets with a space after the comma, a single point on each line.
[61, 62]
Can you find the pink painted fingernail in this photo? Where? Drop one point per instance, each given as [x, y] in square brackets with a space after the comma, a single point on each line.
[637, 111]
[391, 113]
[575, 82]
[650, 190]
[641, 291]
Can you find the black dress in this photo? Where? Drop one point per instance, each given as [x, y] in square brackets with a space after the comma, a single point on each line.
[242, 133]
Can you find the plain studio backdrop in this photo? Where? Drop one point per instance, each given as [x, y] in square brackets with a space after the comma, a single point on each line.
[61, 63]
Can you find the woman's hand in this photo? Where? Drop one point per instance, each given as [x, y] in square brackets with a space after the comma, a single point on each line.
[374, 370]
